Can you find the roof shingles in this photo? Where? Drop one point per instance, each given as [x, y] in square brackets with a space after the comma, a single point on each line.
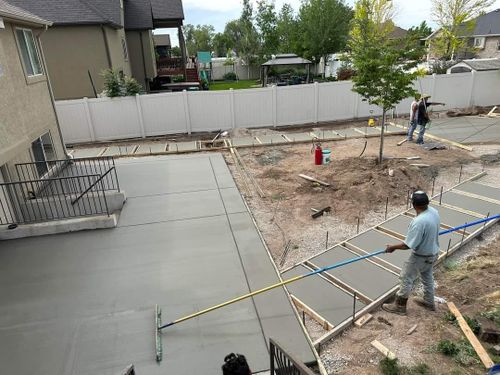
[11, 11]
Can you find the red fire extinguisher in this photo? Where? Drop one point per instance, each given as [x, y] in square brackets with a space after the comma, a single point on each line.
[318, 155]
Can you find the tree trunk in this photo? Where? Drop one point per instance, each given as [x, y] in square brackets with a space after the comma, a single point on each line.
[382, 133]
[324, 66]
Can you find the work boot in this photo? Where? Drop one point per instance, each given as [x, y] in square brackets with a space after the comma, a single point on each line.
[423, 303]
[397, 307]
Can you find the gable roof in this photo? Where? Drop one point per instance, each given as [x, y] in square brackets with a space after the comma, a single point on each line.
[10, 11]
[71, 12]
[149, 14]
[486, 25]
[482, 64]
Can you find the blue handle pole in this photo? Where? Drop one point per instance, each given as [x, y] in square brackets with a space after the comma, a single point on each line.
[470, 224]
[345, 262]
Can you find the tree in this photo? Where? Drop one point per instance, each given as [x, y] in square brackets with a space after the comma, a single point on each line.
[248, 45]
[221, 44]
[324, 26]
[266, 21]
[382, 64]
[421, 31]
[287, 29]
[455, 19]
[176, 51]
[199, 38]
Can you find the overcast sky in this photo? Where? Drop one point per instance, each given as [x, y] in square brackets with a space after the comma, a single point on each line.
[218, 12]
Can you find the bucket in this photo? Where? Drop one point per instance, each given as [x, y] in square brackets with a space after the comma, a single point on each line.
[495, 370]
[326, 156]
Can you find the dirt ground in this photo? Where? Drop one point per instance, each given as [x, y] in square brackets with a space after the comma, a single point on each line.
[359, 188]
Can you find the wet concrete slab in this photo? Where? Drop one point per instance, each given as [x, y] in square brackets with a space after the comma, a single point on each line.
[182, 146]
[120, 150]
[87, 152]
[373, 240]
[274, 309]
[368, 131]
[349, 133]
[244, 141]
[233, 202]
[467, 129]
[148, 148]
[480, 189]
[364, 276]
[223, 176]
[299, 137]
[326, 299]
[83, 303]
[453, 218]
[272, 139]
[471, 204]
[327, 134]
[393, 129]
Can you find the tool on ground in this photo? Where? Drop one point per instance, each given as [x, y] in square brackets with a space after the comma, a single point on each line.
[321, 212]
[403, 141]
[159, 326]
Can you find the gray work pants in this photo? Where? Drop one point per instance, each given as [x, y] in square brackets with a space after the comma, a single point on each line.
[418, 266]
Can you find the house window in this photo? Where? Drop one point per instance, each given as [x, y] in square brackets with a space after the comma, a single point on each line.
[29, 52]
[125, 50]
[479, 42]
[44, 153]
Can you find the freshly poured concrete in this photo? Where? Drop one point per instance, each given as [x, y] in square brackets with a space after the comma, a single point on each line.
[454, 218]
[120, 150]
[373, 240]
[272, 139]
[364, 276]
[326, 299]
[87, 152]
[182, 146]
[471, 204]
[480, 189]
[245, 141]
[467, 129]
[83, 303]
[299, 137]
[146, 148]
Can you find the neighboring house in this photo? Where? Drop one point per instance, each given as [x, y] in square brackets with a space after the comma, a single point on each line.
[483, 42]
[89, 36]
[162, 44]
[28, 125]
[476, 65]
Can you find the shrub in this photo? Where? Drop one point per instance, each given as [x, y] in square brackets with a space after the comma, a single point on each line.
[230, 76]
[448, 348]
[345, 72]
[131, 86]
[389, 366]
[440, 67]
[178, 78]
[116, 84]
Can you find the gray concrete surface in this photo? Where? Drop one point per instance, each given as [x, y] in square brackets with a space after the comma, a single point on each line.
[128, 149]
[467, 129]
[83, 303]
[480, 189]
[90, 152]
[147, 148]
[299, 137]
[364, 276]
[272, 139]
[182, 146]
[332, 303]
[470, 204]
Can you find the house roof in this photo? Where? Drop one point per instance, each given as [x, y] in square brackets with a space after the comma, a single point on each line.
[287, 59]
[398, 33]
[487, 24]
[162, 40]
[149, 14]
[10, 11]
[71, 12]
[481, 64]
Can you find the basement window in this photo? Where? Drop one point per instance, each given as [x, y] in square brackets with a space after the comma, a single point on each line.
[43, 153]
[29, 52]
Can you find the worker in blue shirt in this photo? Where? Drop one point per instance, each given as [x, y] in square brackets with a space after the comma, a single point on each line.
[422, 241]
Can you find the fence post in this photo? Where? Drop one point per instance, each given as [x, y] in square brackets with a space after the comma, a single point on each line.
[433, 93]
[275, 105]
[139, 115]
[316, 102]
[89, 119]
[186, 111]
[356, 104]
[472, 84]
[231, 108]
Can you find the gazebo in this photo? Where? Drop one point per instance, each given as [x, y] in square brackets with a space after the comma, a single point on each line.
[288, 59]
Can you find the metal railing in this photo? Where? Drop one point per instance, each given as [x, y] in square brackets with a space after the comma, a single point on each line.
[77, 167]
[283, 363]
[23, 205]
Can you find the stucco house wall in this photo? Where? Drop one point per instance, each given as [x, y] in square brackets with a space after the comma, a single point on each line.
[26, 110]
[142, 55]
[491, 48]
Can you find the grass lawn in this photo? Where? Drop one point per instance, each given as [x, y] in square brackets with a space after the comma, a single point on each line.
[236, 85]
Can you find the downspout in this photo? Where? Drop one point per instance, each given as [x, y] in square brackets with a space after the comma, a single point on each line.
[51, 92]
[106, 46]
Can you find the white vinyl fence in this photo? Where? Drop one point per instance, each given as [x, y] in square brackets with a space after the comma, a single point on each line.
[103, 119]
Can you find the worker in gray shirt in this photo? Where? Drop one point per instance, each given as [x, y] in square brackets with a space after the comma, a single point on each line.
[422, 241]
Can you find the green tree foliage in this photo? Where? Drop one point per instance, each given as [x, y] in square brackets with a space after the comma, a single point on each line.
[455, 19]
[421, 31]
[248, 44]
[116, 84]
[382, 64]
[288, 31]
[324, 26]
[131, 86]
[267, 24]
[199, 38]
[176, 51]
[221, 45]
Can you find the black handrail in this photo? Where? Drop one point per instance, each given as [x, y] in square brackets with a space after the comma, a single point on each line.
[283, 363]
[92, 186]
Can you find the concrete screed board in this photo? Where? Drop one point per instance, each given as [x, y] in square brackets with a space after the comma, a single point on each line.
[83, 303]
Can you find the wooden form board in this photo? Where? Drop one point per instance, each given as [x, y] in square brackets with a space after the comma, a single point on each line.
[311, 313]
[382, 349]
[483, 355]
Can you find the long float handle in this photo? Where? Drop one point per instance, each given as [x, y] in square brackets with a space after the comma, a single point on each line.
[291, 280]
[296, 278]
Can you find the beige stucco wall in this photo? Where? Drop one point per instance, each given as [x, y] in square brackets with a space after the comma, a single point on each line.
[142, 55]
[490, 49]
[72, 51]
[26, 110]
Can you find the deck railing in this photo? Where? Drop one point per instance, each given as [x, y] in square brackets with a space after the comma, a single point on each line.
[283, 363]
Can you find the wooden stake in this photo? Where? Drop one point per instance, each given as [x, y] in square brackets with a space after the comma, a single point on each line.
[312, 179]
[411, 330]
[403, 141]
[382, 349]
[363, 320]
[483, 355]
